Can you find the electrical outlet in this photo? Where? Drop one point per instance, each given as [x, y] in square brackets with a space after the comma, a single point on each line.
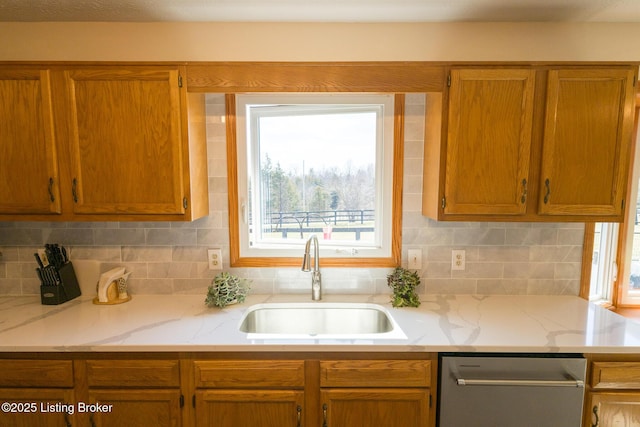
[214, 257]
[457, 260]
[415, 259]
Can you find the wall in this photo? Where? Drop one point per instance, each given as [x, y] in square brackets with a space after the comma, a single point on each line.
[501, 41]
[165, 258]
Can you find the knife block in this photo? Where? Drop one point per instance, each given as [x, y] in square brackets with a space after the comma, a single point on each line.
[68, 288]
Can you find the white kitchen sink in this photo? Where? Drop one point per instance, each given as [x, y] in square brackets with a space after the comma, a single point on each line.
[320, 320]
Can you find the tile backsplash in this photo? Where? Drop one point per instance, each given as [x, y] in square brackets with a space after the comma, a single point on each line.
[170, 257]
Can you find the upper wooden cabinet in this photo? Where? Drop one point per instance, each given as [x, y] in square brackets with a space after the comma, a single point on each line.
[530, 144]
[126, 148]
[29, 178]
[129, 143]
[587, 141]
[488, 166]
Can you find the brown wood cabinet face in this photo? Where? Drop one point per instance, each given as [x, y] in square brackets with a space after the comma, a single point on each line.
[249, 373]
[36, 373]
[133, 373]
[29, 179]
[40, 409]
[255, 408]
[615, 375]
[375, 373]
[159, 408]
[489, 140]
[375, 407]
[587, 139]
[610, 409]
[126, 146]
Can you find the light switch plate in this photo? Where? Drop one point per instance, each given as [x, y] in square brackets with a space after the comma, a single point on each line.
[415, 259]
[214, 256]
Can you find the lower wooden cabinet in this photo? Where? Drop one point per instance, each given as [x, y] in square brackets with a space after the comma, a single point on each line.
[37, 407]
[37, 393]
[613, 396]
[386, 393]
[222, 390]
[133, 392]
[614, 409]
[356, 392]
[257, 393]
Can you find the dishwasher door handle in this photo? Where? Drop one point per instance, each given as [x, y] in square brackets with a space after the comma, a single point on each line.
[527, 383]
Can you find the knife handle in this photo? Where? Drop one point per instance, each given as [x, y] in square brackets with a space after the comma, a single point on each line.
[39, 272]
[38, 260]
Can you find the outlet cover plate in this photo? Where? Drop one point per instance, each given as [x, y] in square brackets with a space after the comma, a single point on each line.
[214, 256]
[458, 260]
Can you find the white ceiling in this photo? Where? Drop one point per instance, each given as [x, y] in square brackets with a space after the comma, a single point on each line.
[321, 10]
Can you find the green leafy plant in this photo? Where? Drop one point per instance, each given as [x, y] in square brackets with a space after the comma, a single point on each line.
[227, 289]
[404, 283]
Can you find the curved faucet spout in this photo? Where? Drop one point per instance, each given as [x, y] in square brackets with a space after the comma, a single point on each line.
[316, 280]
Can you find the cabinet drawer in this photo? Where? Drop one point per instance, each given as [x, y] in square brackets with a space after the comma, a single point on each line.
[133, 373]
[36, 373]
[375, 373]
[249, 374]
[615, 375]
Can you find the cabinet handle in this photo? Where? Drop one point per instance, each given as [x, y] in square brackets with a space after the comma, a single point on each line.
[595, 413]
[93, 424]
[74, 190]
[548, 187]
[324, 415]
[523, 199]
[51, 197]
[66, 419]
[299, 411]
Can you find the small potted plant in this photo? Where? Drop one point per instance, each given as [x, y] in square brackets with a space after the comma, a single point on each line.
[404, 284]
[226, 289]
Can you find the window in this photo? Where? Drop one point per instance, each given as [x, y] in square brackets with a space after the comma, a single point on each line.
[320, 164]
[604, 268]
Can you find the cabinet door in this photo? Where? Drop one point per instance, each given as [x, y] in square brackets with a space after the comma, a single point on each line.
[37, 407]
[489, 140]
[587, 138]
[613, 409]
[375, 407]
[128, 155]
[118, 408]
[255, 408]
[29, 182]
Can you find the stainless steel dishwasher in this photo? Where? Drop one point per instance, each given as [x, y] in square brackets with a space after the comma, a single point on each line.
[515, 390]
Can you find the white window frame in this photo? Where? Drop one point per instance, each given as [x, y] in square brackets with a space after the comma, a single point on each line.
[247, 163]
[604, 271]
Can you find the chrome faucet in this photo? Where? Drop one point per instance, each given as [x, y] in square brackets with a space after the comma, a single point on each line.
[316, 281]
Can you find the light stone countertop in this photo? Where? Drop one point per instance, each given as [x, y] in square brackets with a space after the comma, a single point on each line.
[182, 323]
